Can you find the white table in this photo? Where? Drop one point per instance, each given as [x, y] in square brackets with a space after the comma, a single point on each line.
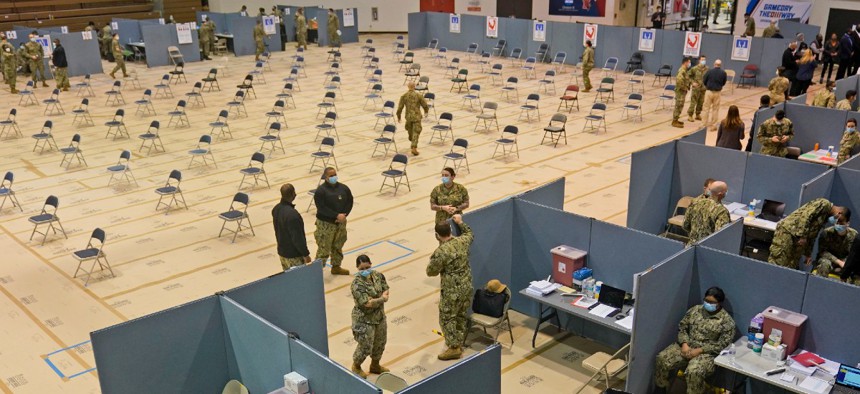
[141, 45]
[820, 157]
[741, 211]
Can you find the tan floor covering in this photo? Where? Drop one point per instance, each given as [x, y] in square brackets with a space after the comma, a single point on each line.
[161, 261]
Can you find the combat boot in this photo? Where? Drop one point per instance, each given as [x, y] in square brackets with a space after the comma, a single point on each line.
[339, 271]
[45, 84]
[112, 76]
[698, 116]
[14, 91]
[689, 118]
[452, 353]
[676, 123]
[415, 152]
[356, 369]
[65, 89]
[376, 368]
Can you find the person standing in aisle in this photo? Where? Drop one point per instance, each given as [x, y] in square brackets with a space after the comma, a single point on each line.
[413, 102]
[697, 97]
[36, 56]
[333, 28]
[731, 130]
[829, 56]
[714, 80]
[369, 327]
[778, 87]
[106, 35]
[10, 63]
[290, 230]
[658, 18]
[259, 35]
[58, 58]
[212, 38]
[334, 203]
[587, 65]
[116, 49]
[205, 35]
[846, 51]
[682, 84]
[449, 198]
[301, 29]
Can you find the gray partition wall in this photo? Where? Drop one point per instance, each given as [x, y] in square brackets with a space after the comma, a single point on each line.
[821, 186]
[831, 323]
[242, 28]
[219, 19]
[129, 30]
[491, 253]
[695, 163]
[348, 34]
[651, 174]
[760, 117]
[324, 375]
[844, 85]
[846, 192]
[698, 137]
[270, 298]
[550, 194]
[159, 37]
[479, 373]
[82, 55]
[789, 29]
[417, 26]
[767, 177]
[815, 125]
[727, 239]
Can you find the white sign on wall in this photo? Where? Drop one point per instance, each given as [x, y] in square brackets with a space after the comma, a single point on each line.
[454, 23]
[766, 10]
[160, 21]
[539, 31]
[64, 29]
[647, 38]
[183, 33]
[269, 24]
[692, 44]
[12, 35]
[114, 26]
[45, 42]
[590, 34]
[348, 17]
[87, 35]
[492, 27]
[741, 48]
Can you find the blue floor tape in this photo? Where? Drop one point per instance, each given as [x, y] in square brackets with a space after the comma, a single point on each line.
[377, 243]
[57, 370]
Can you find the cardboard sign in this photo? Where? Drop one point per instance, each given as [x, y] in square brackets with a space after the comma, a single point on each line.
[647, 38]
[539, 31]
[692, 44]
[492, 27]
[590, 33]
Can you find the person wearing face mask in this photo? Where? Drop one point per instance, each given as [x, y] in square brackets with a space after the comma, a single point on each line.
[587, 65]
[848, 102]
[770, 30]
[58, 57]
[834, 245]
[448, 198]
[825, 97]
[451, 261]
[334, 203]
[10, 62]
[774, 135]
[706, 188]
[795, 235]
[369, 327]
[36, 56]
[116, 49]
[697, 95]
[333, 26]
[849, 140]
[829, 57]
[778, 87]
[413, 102]
[704, 331]
[682, 84]
[707, 215]
[290, 230]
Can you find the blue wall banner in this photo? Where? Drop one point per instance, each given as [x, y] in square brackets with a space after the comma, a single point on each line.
[577, 7]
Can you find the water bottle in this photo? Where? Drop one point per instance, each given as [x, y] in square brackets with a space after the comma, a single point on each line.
[830, 151]
[597, 290]
[732, 352]
[752, 208]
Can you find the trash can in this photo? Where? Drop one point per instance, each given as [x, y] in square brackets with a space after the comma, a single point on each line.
[790, 323]
[565, 261]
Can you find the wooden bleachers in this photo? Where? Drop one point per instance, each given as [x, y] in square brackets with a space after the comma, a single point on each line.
[72, 13]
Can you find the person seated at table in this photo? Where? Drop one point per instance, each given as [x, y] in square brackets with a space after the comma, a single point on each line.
[849, 140]
[848, 101]
[774, 135]
[825, 97]
[707, 215]
[706, 188]
[704, 331]
[851, 270]
[795, 235]
[834, 243]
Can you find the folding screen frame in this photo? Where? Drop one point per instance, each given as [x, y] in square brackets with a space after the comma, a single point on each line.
[479, 373]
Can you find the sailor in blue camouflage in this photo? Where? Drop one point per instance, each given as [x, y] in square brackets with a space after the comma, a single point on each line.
[834, 243]
[796, 234]
[707, 215]
[451, 261]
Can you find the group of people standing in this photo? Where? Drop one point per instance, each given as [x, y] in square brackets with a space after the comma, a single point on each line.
[33, 54]
[706, 86]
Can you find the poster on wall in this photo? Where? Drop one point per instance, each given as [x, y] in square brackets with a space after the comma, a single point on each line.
[692, 44]
[589, 34]
[577, 7]
[269, 25]
[647, 37]
[12, 35]
[45, 42]
[87, 35]
[741, 48]
[539, 31]
[64, 29]
[492, 27]
[348, 17]
[765, 10]
[454, 23]
[183, 33]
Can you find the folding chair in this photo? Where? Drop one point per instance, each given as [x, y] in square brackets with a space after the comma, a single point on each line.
[27, 96]
[390, 382]
[396, 172]
[667, 96]
[636, 83]
[314, 191]
[488, 116]
[606, 366]
[11, 123]
[221, 125]
[499, 323]
[515, 55]
[730, 78]
[286, 94]
[327, 104]
[121, 171]
[138, 54]
[398, 51]
[53, 105]
[547, 82]
[162, 89]
[266, 58]
[116, 126]
[412, 74]
[457, 155]
[605, 90]
[293, 78]
[635, 62]
[131, 79]
[484, 61]
[151, 136]
[460, 80]
[82, 114]
[597, 116]
[472, 52]
[333, 56]
[7, 193]
[238, 213]
[45, 138]
[175, 55]
[386, 115]
[374, 95]
[247, 86]
[211, 80]
[750, 72]
[372, 66]
[255, 169]
[452, 67]
[259, 72]
[93, 252]
[299, 65]
[508, 141]
[496, 73]
[368, 43]
[325, 153]
[203, 151]
[179, 116]
[634, 105]
[327, 126]
[221, 46]
[511, 87]
[369, 54]
[558, 61]
[472, 95]
[386, 139]
[333, 85]
[273, 138]
[195, 96]
[432, 45]
[441, 56]
[556, 129]
[73, 151]
[499, 49]
[114, 95]
[664, 72]
[609, 67]
[423, 85]
[85, 88]
[375, 78]
[238, 104]
[144, 105]
[48, 216]
[408, 60]
[178, 74]
[532, 105]
[276, 114]
[444, 127]
[542, 52]
[529, 68]
[171, 189]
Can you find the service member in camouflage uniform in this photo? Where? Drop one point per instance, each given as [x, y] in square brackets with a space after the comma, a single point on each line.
[778, 86]
[205, 38]
[369, 328]
[850, 138]
[704, 331]
[118, 57]
[451, 260]
[774, 135]
[23, 61]
[697, 97]
[333, 26]
[413, 102]
[10, 62]
[795, 235]
[750, 25]
[770, 30]
[825, 97]
[449, 198]
[834, 243]
[301, 29]
[259, 34]
[334, 203]
[707, 215]
[290, 230]
[61, 65]
[36, 56]
[107, 33]
[682, 84]
[587, 65]
[846, 103]
[706, 188]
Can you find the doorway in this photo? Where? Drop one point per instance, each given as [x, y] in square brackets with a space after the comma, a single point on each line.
[521, 9]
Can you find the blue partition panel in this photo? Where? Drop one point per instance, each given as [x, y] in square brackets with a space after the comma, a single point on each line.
[760, 117]
[698, 137]
[820, 187]
[651, 61]
[846, 191]
[516, 32]
[550, 194]
[648, 204]
[771, 58]
[129, 30]
[242, 28]
[348, 34]
[490, 254]
[179, 350]
[695, 163]
[655, 323]
[716, 46]
[829, 305]
[778, 179]
[561, 36]
[476, 374]
[258, 352]
[844, 85]
[789, 29]
[324, 375]
[289, 21]
[538, 229]
[756, 50]
[417, 25]
[472, 29]
[799, 99]
[815, 125]
[267, 298]
[671, 50]
[159, 37]
[438, 28]
[617, 253]
[219, 19]
[612, 41]
[728, 239]
[750, 285]
[853, 163]
[82, 55]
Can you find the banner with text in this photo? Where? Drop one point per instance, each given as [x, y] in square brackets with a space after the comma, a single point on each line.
[765, 10]
[741, 48]
[183, 33]
[577, 7]
[539, 31]
[492, 27]
[647, 37]
[454, 25]
[589, 34]
[692, 44]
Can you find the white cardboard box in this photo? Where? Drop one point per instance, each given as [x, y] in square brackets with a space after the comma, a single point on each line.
[295, 383]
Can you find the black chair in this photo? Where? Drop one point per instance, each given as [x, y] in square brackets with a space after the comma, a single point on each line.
[635, 62]
[665, 72]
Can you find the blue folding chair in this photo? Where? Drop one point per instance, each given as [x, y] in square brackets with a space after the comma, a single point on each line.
[7, 193]
[122, 169]
[457, 155]
[48, 216]
[273, 139]
[45, 138]
[73, 151]
[171, 189]
[396, 172]
[238, 213]
[324, 154]
[152, 138]
[256, 170]
[93, 252]
[385, 139]
[203, 151]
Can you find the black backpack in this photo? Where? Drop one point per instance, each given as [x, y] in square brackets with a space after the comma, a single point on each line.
[488, 303]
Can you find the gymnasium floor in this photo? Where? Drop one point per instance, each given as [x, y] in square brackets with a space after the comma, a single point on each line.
[163, 260]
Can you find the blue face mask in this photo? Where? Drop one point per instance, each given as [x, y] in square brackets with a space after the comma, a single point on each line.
[33, 39]
[446, 179]
[831, 220]
[332, 179]
[707, 192]
[709, 307]
[840, 228]
[850, 129]
[365, 273]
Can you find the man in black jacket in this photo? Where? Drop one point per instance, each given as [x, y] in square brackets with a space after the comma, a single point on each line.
[790, 64]
[290, 230]
[334, 203]
[845, 53]
[855, 58]
[61, 65]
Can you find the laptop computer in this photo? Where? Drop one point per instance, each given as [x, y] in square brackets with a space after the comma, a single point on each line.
[772, 210]
[611, 296]
[847, 380]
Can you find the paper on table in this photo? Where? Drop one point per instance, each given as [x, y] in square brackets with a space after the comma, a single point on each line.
[602, 310]
[828, 366]
[584, 302]
[787, 377]
[626, 322]
[814, 385]
[734, 206]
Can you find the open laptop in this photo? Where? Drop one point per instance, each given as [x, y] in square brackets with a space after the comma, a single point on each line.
[613, 297]
[772, 210]
[847, 379]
